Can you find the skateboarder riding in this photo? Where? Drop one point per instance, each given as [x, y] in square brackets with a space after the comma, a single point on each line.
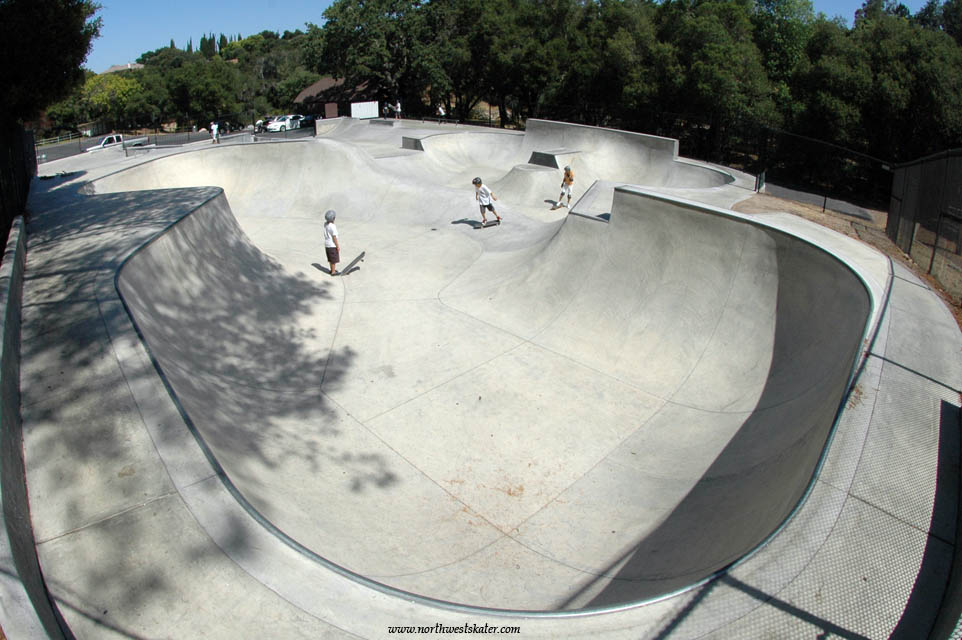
[484, 197]
[566, 183]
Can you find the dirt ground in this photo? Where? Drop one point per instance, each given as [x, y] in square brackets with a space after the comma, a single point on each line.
[871, 232]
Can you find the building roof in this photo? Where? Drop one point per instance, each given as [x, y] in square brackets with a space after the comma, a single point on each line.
[330, 89]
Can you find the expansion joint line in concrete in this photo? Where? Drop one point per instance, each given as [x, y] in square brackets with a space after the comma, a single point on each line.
[330, 351]
[116, 514]
[374, 434]
[344, 303]
[921, 285]
[532, 342]
[504, 534]
[915, 373]
[893, 516]
[714, 330]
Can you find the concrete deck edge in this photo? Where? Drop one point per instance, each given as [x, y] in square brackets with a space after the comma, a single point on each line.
[26, 608]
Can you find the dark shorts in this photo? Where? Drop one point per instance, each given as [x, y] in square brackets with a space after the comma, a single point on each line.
[333, 255]
[489, 207]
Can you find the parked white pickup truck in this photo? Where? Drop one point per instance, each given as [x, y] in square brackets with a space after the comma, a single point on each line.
[115, 139]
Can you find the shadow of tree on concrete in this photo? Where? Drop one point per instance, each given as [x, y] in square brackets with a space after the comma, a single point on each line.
[233, 338]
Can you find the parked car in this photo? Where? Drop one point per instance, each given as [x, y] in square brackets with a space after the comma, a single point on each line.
[308, 120]
[115, 139]
[283, 123]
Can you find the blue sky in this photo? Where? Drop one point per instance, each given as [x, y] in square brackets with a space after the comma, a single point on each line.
[133, 27]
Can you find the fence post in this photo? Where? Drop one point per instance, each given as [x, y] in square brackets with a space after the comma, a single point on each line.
[935, 243]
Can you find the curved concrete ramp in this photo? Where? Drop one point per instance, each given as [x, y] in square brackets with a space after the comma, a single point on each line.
[452, 156]
[622, 156]
[540, 416]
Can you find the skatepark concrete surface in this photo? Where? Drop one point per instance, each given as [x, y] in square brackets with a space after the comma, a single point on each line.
[646, 416]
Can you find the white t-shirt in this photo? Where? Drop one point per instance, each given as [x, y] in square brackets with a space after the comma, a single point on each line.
[484, 195]
[330, 231]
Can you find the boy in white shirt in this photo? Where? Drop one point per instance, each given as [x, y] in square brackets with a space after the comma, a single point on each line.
[484, 196]
[331, 245]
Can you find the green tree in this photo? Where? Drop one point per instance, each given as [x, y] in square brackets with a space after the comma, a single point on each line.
[113, 97]
[952, 19]
[612, 69]
[372, 41]
[312, 47]
[45, 43]
[832, 82]
[208, 46]
[292, 84]
[782, 28]
[915, 90]
[201, 90]
[461, 49]
[520, 48]
[723, 76]
[940, 16]
[164, 59]
[72, 110]
[153, 106]
[875, 9]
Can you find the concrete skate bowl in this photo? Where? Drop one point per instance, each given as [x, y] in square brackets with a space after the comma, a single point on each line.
[526, 166]
[549, 417]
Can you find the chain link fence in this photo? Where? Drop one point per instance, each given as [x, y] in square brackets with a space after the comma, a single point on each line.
[925, 216]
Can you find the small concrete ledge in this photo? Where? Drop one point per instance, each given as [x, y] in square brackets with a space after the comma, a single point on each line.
[408, 142]
[555, 158]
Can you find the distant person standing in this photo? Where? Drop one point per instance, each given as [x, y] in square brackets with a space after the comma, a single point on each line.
[566, 182]
[331, 244]
[484, 196]
[214, 133]
[397, 110]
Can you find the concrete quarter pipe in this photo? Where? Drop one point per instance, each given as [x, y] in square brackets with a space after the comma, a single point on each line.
[568, 413]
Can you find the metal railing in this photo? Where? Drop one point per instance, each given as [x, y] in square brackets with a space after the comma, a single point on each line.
[58, 140]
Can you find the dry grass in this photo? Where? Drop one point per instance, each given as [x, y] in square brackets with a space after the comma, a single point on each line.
[871, 232]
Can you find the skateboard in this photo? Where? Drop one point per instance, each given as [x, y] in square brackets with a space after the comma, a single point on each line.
[559, 205]
[346, 270]
[489, 223]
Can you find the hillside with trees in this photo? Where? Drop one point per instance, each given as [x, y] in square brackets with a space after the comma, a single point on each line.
[889, 86]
